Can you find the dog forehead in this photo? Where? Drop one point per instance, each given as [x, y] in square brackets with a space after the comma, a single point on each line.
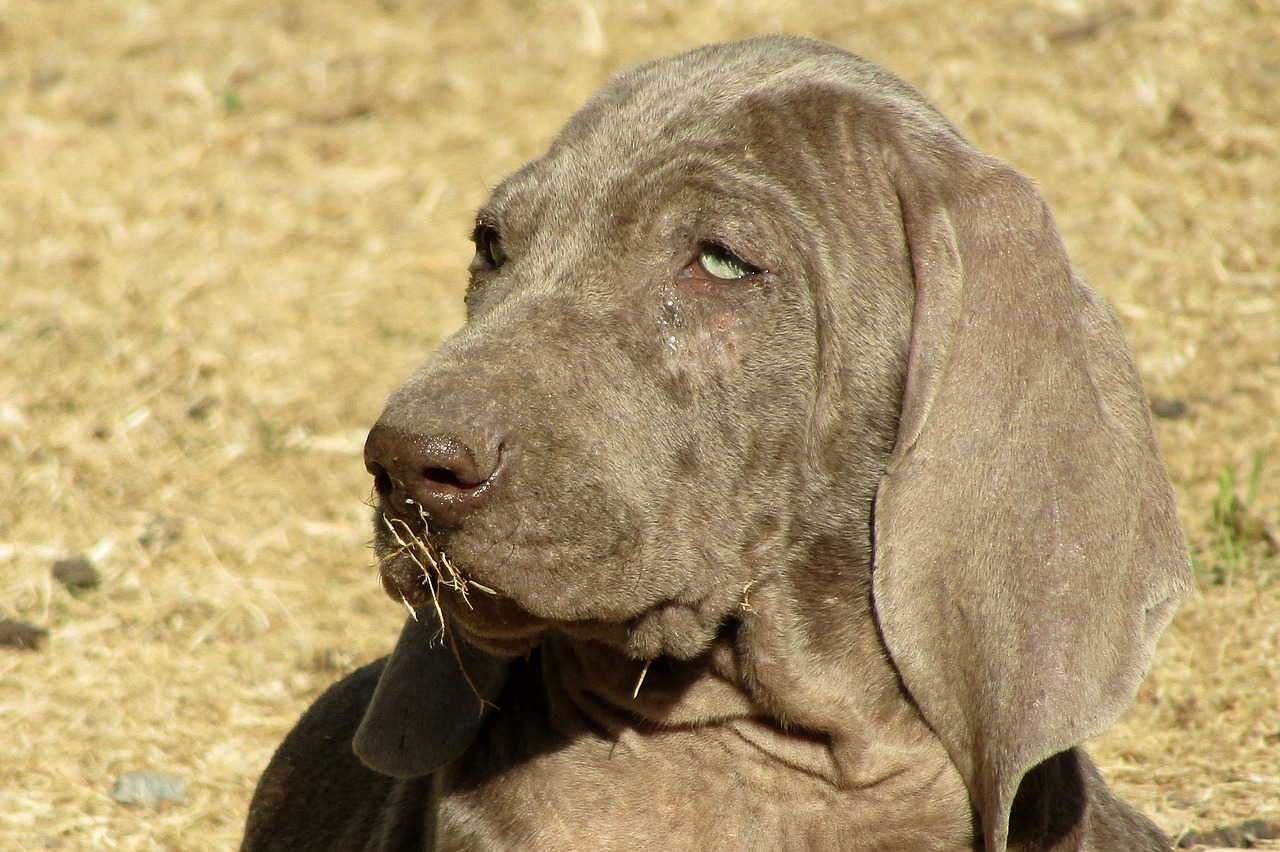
[709, 93]
[750, 106]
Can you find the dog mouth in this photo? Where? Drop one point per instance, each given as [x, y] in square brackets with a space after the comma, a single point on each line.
[412, 563]
[416, 570]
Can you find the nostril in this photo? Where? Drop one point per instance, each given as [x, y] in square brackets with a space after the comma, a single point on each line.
[445, 476]
[382, 482]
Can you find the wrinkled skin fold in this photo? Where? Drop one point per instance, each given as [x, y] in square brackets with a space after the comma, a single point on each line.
[799, 494]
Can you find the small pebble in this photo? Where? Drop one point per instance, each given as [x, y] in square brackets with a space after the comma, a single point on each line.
[77, 574]
[21, 634]
[149, 788]
[1168, 409]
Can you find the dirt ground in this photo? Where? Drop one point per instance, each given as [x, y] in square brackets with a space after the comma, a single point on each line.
[229, 229]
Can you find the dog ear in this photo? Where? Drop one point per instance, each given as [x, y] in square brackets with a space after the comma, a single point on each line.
[430, 702]
[1027, 550]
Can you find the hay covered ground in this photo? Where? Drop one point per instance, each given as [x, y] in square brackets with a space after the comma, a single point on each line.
[229, 229]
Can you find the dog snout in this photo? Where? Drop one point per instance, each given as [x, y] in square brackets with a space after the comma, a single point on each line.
[447, 474]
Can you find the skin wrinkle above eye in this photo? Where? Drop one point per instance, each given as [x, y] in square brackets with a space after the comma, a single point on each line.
[723, 192]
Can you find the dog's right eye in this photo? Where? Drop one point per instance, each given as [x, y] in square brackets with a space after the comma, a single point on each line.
[489, 253]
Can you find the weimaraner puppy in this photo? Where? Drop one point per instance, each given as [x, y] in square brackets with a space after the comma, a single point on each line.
[787, 488]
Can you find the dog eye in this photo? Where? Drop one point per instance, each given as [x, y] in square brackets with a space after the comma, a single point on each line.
[489, 251]
[720, 263]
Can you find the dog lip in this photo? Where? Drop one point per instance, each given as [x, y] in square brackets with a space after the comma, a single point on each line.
[411, 566]
[409, 578]
[406, 511]
[499, 634]
[413, 595]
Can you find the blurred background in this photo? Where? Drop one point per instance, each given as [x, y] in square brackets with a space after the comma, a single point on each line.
[228, 230]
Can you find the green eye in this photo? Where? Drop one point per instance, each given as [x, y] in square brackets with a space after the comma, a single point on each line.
[719, 263]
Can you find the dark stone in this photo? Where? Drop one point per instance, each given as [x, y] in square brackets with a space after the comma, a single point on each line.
[77, 574]
[22, 635]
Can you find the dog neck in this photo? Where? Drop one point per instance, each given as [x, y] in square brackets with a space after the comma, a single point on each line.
[611, 689]
[574, 736]
[618, 697]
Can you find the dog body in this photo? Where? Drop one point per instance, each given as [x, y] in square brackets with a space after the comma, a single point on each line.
[786, 489]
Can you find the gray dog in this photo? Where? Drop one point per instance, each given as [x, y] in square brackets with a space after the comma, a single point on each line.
[787, 488]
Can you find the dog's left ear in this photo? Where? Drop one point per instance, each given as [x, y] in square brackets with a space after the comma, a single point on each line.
[1028, 553]
[430, 702]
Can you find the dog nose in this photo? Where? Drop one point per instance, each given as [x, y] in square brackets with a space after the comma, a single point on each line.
[444, 474]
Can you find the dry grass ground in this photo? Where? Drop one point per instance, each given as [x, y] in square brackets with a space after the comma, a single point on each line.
[229, 229]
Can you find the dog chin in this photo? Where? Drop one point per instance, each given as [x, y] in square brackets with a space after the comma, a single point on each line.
[494, 624]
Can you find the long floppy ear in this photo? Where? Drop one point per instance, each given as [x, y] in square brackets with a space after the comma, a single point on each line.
[430, 702]
[1028, 553]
